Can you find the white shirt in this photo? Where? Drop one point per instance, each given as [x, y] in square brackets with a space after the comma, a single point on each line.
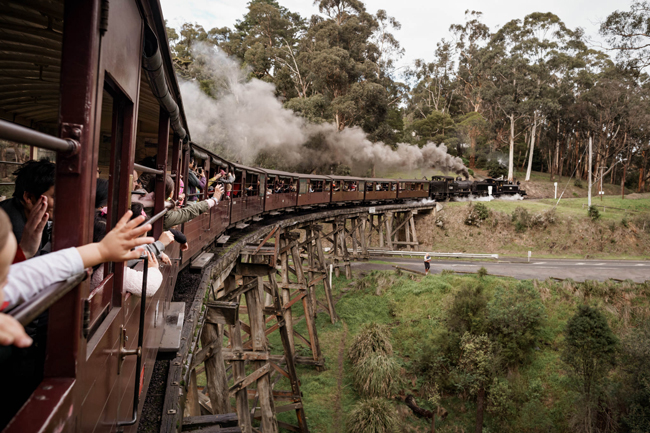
[27, 279]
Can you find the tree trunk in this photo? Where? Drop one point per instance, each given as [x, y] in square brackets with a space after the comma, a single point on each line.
[625, 166]
[532, 148]
[512, 149]
[480, 404]
[433, 423]
[642, 173]
[472, 146]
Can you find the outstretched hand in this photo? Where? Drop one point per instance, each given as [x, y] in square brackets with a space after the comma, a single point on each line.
[33, 231]
[12, 332]
[218, 192]
[118, 243]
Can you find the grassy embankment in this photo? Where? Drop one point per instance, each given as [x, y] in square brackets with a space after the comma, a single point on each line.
[414, 308]
[622, 231]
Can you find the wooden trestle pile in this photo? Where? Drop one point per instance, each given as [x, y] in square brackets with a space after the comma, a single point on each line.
[254, 298]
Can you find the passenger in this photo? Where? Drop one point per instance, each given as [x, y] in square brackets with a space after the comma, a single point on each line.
[25, 280]
[133, 276]
[230, 179]
[34, 180]
[193, 181]
[179, 216]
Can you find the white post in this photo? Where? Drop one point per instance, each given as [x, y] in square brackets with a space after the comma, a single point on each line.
[490, 190]
[529, 254]
[555, 183]
[331, 270]
[589, 190]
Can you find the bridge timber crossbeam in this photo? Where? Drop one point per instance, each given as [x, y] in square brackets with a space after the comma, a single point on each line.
[248, 293]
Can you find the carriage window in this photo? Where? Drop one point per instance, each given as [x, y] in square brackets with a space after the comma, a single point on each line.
[402, 186]
[385, 186]
[304, 186]
[369, 186]
[393, 187]
[361, 185]
[317, 185]
[252, 184]
[328, 186]
[237, 186]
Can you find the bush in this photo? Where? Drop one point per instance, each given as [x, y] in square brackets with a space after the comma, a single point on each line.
[577, 183]
[482, 272]
[373, 339]
[495, 169]
[521, 219]
[376, 375]
[625, 223]
[478, 213]
[470, 171]
[374, 415]
[594, 213]
[515, 319]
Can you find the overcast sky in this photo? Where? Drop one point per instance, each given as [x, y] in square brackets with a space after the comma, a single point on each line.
[423, 22]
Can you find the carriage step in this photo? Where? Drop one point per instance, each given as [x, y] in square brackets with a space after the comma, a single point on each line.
[275, 213]
[170, 342]
[222, 239]
[201, 261]
[257, 218]
[241, 226]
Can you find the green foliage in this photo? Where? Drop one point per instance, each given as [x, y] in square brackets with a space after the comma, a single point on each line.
[482, 272]
[373, 415]
[635, 349]
[477, 213]
[524, 220]
[467, 312]
[372, 339]
[476, 365]
[521, 219]
[590, 349]
[496, 169]
[515, 321]
[625, 223]
[577, 183]
[376, 375]
[470, 171]
[594, 213]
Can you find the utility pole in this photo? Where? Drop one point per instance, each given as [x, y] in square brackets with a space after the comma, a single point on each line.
[589, 181]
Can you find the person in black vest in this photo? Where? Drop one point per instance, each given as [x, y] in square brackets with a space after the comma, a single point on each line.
[34, 185]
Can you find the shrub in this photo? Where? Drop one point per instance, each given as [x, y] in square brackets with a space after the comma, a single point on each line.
[376, 375]
[515, 319]
[625, 223]
[577, 183]
[495, 169]
[373, 338]
[594, 214]
[478, 213]
[521, 219]
[482, 272]
[373, 415]
[470, 171]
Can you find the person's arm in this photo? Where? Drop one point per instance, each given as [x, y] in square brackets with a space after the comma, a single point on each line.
[33, 230]
[179, 216]
[133, 281]
[26, 279]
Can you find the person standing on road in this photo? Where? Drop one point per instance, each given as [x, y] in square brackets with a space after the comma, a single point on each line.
[427, 263]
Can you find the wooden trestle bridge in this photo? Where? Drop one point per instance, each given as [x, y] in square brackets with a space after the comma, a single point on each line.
[247, 293]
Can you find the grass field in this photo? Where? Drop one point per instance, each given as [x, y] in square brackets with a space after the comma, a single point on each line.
[610, 207]
[413, 308]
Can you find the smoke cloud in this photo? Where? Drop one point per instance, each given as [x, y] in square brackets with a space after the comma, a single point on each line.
[245, 118]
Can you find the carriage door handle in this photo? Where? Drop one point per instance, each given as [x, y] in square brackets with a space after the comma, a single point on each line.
[123, 350]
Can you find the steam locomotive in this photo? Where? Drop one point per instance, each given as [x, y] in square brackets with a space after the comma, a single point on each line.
[443, 188]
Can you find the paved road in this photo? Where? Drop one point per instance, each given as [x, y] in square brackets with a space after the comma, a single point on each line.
[578, 270]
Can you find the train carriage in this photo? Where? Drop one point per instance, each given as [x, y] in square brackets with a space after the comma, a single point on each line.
[378, 189]
[247, 198]
[280, 190]
[347, 189]
[314, 190]
[412, 189]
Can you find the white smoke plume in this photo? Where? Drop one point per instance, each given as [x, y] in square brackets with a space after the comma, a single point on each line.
[246, 118]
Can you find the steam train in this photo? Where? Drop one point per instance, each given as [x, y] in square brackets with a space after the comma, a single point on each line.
[95, 87]
[447, 187]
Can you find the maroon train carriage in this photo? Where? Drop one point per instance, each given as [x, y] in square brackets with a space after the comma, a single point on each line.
[378, 189]
[247, 198]
[412, 189]
[314, 190]
[281, 190]
[347, 189]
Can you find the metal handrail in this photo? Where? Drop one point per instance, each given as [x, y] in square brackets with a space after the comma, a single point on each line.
[145, 169]
[7, 183]
[26, 312]
[11, 162]
[20, 134]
